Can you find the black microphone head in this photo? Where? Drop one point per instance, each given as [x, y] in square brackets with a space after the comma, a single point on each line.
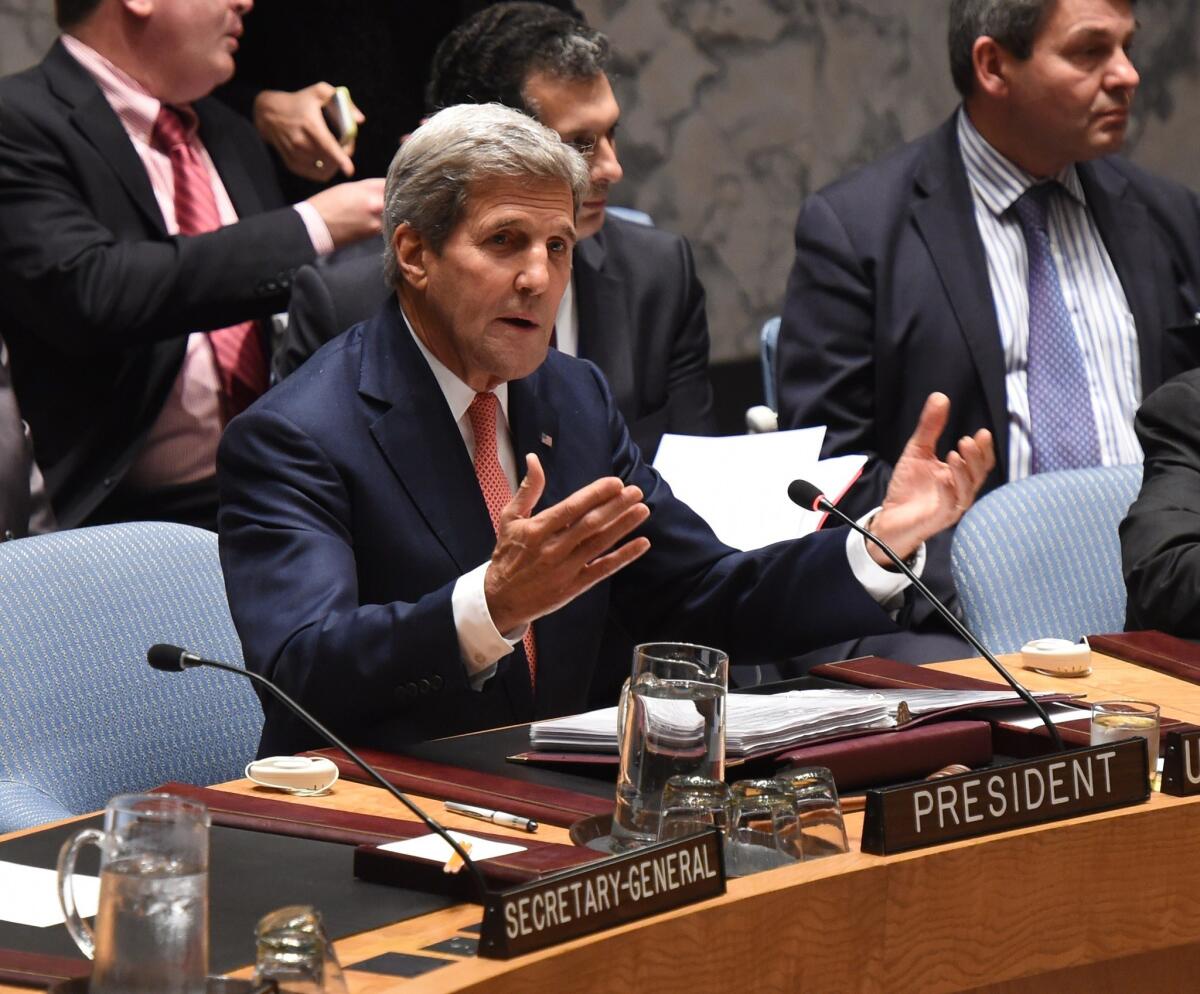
[805, 494]
[166, 657]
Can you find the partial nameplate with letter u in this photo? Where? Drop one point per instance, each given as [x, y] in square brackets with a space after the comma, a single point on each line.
[1181, 764]
[1049, 788]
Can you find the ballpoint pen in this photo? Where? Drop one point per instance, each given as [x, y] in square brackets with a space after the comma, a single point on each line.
[495, 817]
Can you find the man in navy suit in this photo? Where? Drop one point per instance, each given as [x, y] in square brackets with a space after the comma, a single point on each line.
[634, 305]
[378, 563]
[913, 274]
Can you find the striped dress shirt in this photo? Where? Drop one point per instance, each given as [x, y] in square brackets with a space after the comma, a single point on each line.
[1100, 314]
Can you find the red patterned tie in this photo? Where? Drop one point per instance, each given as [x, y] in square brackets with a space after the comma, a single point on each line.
[238, 350]
[494, 484]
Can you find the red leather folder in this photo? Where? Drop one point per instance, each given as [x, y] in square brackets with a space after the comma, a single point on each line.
[897, 756]
[267, 814]
[1155, 650]
[552, 805]
[39, 969]
[1007, 739]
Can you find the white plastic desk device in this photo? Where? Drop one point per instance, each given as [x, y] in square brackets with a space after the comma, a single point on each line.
[310, 774]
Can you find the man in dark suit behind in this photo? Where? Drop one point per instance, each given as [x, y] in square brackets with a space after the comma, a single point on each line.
[915, 274]
[378, 563]
[634, 306]
[141, 235]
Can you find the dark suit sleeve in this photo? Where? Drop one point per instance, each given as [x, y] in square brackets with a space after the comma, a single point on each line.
[689, 390]
[311, 322]
[1160, 538]
[87, 289]
[16, 460]
[826, 366]
[286, 544]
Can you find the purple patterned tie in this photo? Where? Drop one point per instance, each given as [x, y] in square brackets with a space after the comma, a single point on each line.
[1062, 426]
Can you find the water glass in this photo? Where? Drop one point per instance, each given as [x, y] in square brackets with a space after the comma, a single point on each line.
[692, 804]
[764, 831]
[151, 932]
[1113, 720]
[674, 725]
[818, 810]
[293, 950]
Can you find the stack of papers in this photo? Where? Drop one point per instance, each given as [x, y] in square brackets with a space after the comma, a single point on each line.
[762, 723]
[753, 722]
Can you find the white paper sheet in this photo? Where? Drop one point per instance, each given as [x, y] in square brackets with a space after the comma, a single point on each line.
[738, 483]
[435, 848]
[29, 895]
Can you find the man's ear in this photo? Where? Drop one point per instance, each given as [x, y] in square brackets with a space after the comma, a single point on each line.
[141, 9]
[411, 253]
[991, 61]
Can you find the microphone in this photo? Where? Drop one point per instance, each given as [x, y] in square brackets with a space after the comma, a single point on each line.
[173, 659]
[809, 497]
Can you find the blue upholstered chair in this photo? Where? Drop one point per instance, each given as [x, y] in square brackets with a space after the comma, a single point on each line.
[82, 715]
[1040, 557]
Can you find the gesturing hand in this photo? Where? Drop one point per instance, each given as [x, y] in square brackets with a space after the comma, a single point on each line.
[545, 561]
[926, 494]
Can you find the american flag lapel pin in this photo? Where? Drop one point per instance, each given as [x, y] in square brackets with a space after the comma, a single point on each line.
[547, 440]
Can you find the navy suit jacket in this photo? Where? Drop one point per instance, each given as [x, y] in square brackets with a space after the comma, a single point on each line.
[98, 298]
[349, 508]
[641, 320]
[889, 300]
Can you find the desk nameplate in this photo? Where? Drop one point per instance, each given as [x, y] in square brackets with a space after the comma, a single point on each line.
[1181, 764]
[603, 894]
[1049, 788]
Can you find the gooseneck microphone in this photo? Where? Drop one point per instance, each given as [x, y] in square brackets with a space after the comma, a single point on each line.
[172, 659]
[810, 498]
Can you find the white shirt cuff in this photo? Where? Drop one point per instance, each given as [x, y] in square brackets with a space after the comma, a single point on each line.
[479, 643]
[318, 230]
[885, 586]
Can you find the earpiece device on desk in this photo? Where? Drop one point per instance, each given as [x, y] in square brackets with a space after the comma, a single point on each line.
[1057, 657]
[306, 774]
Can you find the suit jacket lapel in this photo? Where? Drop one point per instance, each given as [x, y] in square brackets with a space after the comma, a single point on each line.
[1124, 226]
[230, 163]
[95, 120]
[605, 325]
[944, 213]
[421, 442]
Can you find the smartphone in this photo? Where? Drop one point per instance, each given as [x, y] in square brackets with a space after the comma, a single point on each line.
[340, 117]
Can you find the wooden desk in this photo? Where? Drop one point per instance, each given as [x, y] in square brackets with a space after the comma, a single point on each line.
[1104, 903]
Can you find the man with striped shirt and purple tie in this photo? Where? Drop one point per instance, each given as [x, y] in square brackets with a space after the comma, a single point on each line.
[1008, 259]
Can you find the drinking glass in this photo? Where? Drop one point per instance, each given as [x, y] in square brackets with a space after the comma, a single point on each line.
[818, 811]
[293, 950]
[764, 831]
[692, 804]
[674, 725]
[151, 932]
[1113, 720]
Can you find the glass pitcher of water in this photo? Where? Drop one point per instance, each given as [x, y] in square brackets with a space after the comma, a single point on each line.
[672, 722]
[151, 932]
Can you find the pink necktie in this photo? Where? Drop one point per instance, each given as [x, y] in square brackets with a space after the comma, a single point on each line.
[238, 350]
[494, 484]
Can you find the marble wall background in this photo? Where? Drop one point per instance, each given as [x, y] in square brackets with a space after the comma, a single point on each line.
[735, 109]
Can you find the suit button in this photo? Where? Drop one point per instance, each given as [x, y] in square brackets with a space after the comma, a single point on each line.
[410, 689]
[108, 481]
[8, 535]
[435, 683]
[423, 684]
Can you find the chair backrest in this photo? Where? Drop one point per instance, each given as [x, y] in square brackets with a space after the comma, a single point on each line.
[1041, 558]
[82, 715]
[768, 340]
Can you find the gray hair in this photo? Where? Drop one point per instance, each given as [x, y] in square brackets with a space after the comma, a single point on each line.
[432, 173]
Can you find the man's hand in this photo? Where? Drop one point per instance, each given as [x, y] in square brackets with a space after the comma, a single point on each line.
[294, 124]
[925, 494]
[545, 561]
[351, 211]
